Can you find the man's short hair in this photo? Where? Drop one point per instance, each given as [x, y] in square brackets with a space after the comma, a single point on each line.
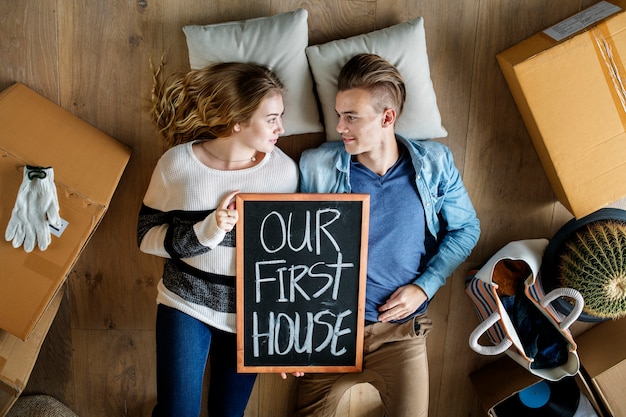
[379, 77]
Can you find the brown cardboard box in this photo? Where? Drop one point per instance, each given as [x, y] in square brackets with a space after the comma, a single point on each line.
[499, 380]
[571, 94]
[504, 378]
[602, 352]
[87, 167]
[18, 357]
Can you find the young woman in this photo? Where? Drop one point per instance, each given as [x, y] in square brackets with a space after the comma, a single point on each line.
[220, 125]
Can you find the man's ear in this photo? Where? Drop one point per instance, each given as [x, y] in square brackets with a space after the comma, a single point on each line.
[389, 117]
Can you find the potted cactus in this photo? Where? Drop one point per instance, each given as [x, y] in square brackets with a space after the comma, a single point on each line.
[589, 255]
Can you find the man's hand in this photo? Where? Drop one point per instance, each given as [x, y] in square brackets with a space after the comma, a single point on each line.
[402, 303]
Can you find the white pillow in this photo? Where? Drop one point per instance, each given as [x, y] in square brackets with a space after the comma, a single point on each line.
[277, 42]
[403, 45]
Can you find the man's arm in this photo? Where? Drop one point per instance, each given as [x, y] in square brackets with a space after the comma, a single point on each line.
[462, 230]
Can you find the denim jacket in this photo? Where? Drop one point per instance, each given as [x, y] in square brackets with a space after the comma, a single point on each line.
[450, 217]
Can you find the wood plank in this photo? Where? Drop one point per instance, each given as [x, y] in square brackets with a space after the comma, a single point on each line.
[114, 287]
[457, 359]
[114, 372]
[330, 20]
[53, 371]
[276, 396]
[29, 46]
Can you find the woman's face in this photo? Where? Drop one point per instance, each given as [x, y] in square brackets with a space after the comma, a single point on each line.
[261, 132]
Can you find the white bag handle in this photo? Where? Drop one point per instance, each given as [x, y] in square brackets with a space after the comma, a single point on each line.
[579, 303]
[480, 330]
[530, 251]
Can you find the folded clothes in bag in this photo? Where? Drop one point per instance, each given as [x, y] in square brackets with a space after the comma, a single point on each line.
[517, 316]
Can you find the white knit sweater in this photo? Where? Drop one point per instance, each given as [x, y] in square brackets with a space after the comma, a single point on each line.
[177, 222]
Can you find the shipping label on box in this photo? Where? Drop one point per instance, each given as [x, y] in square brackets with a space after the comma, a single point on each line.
[88, 165]
[572, 97]
[582, 20]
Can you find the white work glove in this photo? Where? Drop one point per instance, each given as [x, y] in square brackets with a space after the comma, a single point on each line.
[36, 206]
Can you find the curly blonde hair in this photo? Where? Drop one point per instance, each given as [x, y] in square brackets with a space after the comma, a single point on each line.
[207, 103]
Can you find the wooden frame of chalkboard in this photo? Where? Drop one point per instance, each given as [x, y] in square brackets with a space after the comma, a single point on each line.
[301, 271]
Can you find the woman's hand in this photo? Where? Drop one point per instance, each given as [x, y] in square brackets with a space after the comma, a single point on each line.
[226, 213]
[283, 375]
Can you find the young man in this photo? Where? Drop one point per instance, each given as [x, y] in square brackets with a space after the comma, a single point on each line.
[422, 227]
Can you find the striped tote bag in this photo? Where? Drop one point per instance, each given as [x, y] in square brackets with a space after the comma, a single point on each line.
[515, 315]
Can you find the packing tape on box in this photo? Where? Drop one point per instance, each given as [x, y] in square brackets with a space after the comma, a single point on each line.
[613, 69]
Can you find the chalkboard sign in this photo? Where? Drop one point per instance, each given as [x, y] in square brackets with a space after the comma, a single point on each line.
[301, 267]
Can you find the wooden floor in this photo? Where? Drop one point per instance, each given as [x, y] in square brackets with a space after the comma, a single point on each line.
[92, 58]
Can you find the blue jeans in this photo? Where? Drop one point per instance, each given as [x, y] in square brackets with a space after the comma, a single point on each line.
[183, 345]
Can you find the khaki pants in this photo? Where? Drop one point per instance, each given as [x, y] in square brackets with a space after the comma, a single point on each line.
[394, 362]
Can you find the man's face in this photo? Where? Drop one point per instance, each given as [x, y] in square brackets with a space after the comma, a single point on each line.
[360, 126]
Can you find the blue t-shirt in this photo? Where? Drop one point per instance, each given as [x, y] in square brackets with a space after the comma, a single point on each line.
[396, 229]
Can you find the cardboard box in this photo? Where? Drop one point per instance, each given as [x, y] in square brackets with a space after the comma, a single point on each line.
[18, 357]
[88, 165]
[602, 352]
[504, 378]
[571, 94]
